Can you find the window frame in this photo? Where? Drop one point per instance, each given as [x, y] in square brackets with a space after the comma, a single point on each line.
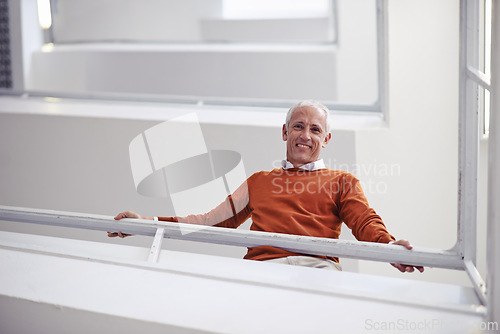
[378, 107]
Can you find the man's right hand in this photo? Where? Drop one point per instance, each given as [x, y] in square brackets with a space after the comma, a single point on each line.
[126, 214]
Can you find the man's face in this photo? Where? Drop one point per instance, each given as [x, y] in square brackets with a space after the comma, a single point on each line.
[306, 136]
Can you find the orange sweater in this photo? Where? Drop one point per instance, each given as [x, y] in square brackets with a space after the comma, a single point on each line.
[299, 202]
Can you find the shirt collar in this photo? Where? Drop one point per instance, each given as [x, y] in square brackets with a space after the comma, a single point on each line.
[312, 166]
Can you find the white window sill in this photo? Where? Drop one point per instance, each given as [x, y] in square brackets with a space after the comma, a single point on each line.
[191, 47]
[210, 114]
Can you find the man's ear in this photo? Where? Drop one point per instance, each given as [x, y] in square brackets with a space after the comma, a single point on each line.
[284, 132]
[327, 139]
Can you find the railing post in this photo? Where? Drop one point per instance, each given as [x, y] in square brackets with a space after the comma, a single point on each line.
[468, 134]
[155, 250]
[493, 255]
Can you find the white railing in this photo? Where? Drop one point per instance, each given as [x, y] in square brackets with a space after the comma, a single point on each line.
[447, 259]
[493, 231]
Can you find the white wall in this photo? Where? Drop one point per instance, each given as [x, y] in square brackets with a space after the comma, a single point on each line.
[420, 199]
[271, 72]
[148, 20]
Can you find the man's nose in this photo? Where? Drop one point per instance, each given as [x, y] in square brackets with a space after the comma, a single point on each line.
[306, 134]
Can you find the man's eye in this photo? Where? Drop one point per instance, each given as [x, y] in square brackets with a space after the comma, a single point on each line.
[298, 126]
[316, 130]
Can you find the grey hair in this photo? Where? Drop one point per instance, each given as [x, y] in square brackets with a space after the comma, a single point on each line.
[314, 104]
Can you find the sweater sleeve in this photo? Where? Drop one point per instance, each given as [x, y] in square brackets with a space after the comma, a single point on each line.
[365, 223]
[231, 213]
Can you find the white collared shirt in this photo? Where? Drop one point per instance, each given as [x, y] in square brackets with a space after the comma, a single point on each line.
[312, 166]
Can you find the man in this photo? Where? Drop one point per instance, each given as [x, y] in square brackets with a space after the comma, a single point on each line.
[303, 197]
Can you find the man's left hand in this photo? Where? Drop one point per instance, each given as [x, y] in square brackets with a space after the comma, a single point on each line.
[404, 268]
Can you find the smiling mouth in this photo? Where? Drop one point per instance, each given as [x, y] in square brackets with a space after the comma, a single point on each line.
[303, 145]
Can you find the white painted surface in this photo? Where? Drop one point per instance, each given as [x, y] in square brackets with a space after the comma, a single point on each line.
[418, 199]
[152, 111]
[207, 293]
[308, 30]
[150, 20]
[238, 237]
[246, 72]
[493, 227]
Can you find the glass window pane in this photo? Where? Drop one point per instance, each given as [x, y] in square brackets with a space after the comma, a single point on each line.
[234, 9]
[189, 50]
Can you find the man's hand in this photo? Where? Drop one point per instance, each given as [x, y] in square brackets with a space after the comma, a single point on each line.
[126, 214]
[404, 268]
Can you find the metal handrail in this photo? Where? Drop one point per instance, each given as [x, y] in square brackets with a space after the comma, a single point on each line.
[420, 256]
